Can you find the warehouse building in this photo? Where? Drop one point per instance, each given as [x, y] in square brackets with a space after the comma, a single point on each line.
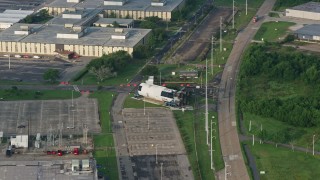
[310, 10]
[77, 17]
[309, 32]
[135, 9]
[9, 17]
[52, 39]
[109, 22]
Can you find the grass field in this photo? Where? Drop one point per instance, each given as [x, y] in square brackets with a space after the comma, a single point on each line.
[133, 103]
[239, 3]
[104, 153]
[198, 151]
[123, 77]
[272, 31]
[281, 163]
[18, 94]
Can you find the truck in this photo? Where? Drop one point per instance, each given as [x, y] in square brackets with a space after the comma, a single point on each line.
[255, 18]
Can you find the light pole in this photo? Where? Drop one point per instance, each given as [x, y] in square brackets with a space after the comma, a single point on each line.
[206, 118]
[220, 33]
[157, 153]
[161, 171]
[211, 158]
[72, 98]
[313, 144]
[9, 62]
[233, 15]
[246, 7]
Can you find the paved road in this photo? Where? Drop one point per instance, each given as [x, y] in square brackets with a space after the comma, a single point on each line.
[230, 146]
[124, 162]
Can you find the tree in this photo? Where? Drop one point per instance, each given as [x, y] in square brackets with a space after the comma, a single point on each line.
[150, 70]
[101, 73]
[51, 75]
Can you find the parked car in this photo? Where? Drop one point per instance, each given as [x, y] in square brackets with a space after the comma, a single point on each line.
[17, 56]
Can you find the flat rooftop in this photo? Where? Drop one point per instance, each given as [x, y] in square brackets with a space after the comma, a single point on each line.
[97, 36]
[310, 6]
[133, 5]
[312, 29]
[145, 5]
[40, 170]
[87, 15]
[82, 4]
[112, 20]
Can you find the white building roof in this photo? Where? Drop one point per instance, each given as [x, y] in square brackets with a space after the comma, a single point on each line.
[310, 6]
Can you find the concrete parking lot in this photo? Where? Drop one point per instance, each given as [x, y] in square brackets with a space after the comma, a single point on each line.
[23, 117]
[32, 70]
[154, 141]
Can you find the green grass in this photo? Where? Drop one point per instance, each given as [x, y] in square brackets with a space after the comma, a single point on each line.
[133, 103]
[104, 144]
[281, 163]
[272, 31]
[239, 3]
[123, 77]
[187, 124]
[105, 102]
[272, 14]
[11, 95]
[301, 136]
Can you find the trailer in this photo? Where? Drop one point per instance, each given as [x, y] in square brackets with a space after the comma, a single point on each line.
[163, 94]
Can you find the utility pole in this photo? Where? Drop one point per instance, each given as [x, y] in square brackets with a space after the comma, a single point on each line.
[72, 98]
[313, 144]
[252, 139]
[9, 62]
[220, 33]
[233, 14]
[246, 7]
[250, 126]
[206, 118]
[212, 55]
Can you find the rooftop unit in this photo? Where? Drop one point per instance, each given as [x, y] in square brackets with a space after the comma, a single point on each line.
[75, 32]
[24, 30]
[114, 2]
[20, 141]
[158, 2]
[119, 34]
[74, 1]
[72, 13]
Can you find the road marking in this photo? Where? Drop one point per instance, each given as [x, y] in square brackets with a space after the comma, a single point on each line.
[233, 157]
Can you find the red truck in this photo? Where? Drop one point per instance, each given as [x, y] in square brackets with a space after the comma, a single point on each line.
[255, 19]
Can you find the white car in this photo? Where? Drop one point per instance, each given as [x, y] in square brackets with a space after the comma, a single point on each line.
[17, 56]
[6, 55]
[36, 57]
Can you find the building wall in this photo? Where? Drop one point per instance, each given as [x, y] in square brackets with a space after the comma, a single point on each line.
[302, 14]
[308, 37]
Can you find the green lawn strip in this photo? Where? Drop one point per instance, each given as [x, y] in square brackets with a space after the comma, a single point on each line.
[201, 167]
[186, 127]
[134, 103]
[272, 31]
[283, 163]
[104, 143]
[105, 101]
[18, 94]
[122, 77]
[103, 140]
[239, 3]
[108, 161]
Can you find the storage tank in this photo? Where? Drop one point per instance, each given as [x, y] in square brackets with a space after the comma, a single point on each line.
[156, 92]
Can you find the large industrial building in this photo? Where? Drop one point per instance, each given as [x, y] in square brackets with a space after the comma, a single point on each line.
[52, 39]
[9, 17]
[309, 32]
[310, 10]
[136, 9]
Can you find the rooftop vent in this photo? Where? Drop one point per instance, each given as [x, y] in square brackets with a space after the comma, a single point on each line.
[114, 2]
[73, 1]
[24, 30]
[118, 30]
[158, 2]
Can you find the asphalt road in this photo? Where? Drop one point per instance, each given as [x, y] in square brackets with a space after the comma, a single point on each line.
[235, 166]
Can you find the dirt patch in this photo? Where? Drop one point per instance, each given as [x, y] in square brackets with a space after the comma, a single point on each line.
[201, 37]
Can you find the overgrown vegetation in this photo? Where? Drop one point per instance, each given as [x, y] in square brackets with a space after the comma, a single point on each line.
[41, 17]
[51, 75]
[282, 4]
[267, 67]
